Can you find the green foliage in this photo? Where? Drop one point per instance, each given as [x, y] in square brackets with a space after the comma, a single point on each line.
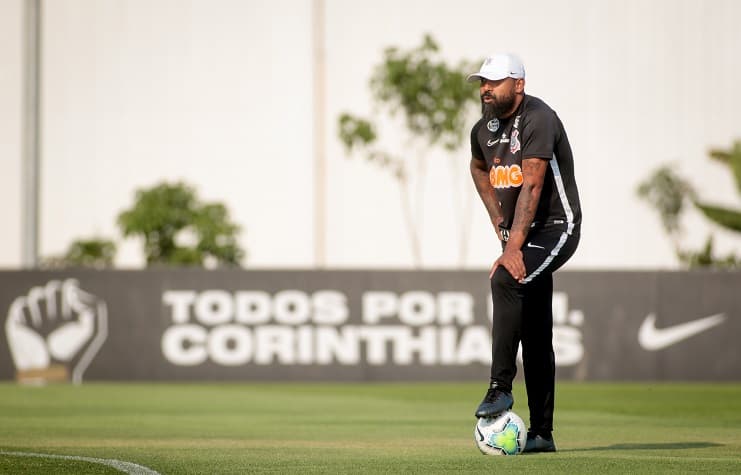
[732, 158]
[434, 100]
[218, 235]
[705, 258]
[668, 193]
[727, 218]
[92, 252]
[433, 97]
[168, 214]
[97, 253]
[355, 131]
[429, 93]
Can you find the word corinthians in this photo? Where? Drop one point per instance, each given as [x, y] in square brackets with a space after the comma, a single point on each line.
[294, 327]
[235, 345]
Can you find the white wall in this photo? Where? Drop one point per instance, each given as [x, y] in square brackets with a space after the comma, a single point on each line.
[220, 94]
[10, 132]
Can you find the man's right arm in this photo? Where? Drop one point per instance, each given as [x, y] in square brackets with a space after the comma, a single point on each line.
[480, 176]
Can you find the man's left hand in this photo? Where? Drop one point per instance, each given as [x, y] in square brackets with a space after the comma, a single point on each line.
[512, 260]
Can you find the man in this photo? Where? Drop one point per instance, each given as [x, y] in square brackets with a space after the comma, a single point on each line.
[523, 170]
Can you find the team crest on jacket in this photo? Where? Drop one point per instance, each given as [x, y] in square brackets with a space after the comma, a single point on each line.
[493, 125]
[514, 142]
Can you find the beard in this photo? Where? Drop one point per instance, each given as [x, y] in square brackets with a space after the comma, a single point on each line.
[498, 107]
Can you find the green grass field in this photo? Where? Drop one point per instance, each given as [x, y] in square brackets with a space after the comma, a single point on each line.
[361, 428]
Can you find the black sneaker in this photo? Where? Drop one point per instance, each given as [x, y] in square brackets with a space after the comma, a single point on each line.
[539, 443]
[495, 402]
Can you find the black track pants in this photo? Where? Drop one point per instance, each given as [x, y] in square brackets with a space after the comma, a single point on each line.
[523, 313]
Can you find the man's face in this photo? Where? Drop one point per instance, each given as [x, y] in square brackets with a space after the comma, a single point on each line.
[498, 97]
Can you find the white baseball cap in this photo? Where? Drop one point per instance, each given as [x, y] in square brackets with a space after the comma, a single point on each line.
[499, 66]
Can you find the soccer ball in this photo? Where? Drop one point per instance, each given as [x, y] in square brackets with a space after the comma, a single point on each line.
[502, 435]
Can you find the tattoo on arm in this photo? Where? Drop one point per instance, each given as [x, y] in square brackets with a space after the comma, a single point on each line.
[533, 174]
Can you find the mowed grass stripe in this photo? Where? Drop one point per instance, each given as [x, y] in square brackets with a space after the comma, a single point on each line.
[367, 428]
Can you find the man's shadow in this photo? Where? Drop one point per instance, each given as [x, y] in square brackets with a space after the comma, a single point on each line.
[655, 446]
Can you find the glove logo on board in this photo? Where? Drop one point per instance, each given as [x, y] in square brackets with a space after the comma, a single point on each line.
[55, 331]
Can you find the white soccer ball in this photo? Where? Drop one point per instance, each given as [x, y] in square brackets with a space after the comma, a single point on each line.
[505, 434]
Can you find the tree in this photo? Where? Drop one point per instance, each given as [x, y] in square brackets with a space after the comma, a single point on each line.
[728, 218]
[179, 230]
[669, 194]
[435, 102]
[96, 252]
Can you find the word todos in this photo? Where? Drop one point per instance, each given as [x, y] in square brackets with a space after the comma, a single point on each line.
[294, 327]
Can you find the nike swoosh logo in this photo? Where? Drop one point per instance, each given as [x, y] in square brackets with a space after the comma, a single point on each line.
[652, 339]
[480, 433]
[492, 143]
[534, 245]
